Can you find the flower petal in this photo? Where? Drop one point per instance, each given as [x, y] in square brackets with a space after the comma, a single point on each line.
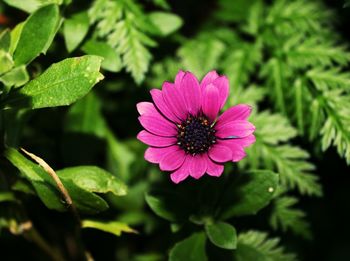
[157, 124]
[158, 100]
[237, 150]
[198, 166]
[234, 129]
[243, 142]
[183, 172]
[154, 140]
[191, 92]
[172, 159]
[220, 153]
[144, 107]
[223, 86]
[175, 101]
[209, 78]
[214, 169]
[211, 102]
[238, 112]
[178, 78]
[154, 155]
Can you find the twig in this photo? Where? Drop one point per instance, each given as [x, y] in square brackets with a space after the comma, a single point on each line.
[58, 182]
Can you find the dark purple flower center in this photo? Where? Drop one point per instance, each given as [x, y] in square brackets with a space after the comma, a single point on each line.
[196, 135]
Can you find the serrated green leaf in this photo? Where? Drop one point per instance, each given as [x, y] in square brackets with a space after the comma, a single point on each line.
[125, 27]
[299, 113]
[166, 23]
[201, 55]
[47, 191]
[286, 216]
[113, 227]
[189, 249]
[37, 34]
[93, 179]
[222, 235]
[75, 29]
[252, 192]
[111, 59]
[255, 245]
[61, 84]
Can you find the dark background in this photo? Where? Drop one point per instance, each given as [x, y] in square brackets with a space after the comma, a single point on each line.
[329, 216]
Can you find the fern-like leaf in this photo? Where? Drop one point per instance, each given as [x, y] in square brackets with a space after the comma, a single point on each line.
[124, 26]
[325, 79]
[257, 245]
[286, 217]
[289, 161]
[292, 16]
[336, 129]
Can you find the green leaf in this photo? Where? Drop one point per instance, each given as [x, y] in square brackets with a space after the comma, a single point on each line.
[255, 245]
[113, 227]
[327, 79]
[166, 23]
[47, 191]
[201, 54]
[6, 62]
[275, 73]
[75, 30]
[15, 35]
[7, 197]
[291, 162]
[119, 154]
[169, 204]
[5, 40]
[85, 116]
[37, 34]
[23, 186]
[161, 208]
[253, 191]
[16, 77]
[111, 61]
[27, 5]
[94, 179]
[286, 216]
[61, 84]
[222, 235]
[299, 112]
[336, 128]
[30, 6]
[189, 249]
[125, 26]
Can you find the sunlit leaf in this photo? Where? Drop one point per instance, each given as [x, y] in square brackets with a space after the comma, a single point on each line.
[61, 84]
[113, 227]
[93, 179]
[37, 34]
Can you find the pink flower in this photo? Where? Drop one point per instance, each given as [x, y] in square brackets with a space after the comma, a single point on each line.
[183, 129]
